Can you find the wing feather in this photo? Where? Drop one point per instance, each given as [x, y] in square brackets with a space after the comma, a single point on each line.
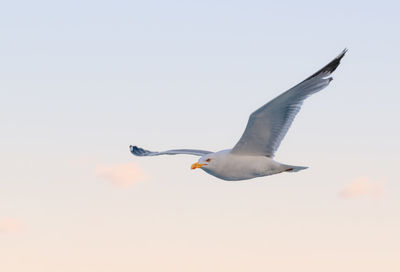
[143, 152]
[268, 125]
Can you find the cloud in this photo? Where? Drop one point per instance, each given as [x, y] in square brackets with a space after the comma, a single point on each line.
[362, 186]
[121, 175]
[10, 225]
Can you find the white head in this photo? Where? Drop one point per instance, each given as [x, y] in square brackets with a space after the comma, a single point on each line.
[213, 161]
[204, 162]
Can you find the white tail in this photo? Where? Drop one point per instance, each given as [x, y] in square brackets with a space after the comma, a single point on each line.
[292, 168]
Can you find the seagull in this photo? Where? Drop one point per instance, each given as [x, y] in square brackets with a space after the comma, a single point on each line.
[253, 155]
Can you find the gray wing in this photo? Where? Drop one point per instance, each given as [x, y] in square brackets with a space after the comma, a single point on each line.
[269, 124]
[142, 152]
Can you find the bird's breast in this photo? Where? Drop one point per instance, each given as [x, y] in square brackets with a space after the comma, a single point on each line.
[236, 167]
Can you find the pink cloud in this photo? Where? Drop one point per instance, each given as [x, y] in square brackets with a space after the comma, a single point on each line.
[362, 186]
[10, 225]
[121, 175]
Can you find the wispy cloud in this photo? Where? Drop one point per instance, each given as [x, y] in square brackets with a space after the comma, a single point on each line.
[362, 186]
[10, 225]
[121, 175]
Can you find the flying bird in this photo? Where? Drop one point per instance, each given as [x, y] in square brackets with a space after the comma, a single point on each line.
[253, 155]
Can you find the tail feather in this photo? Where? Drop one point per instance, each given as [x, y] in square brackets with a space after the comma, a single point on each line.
[292, 168]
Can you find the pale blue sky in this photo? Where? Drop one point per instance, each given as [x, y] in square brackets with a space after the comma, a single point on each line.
[82, 80]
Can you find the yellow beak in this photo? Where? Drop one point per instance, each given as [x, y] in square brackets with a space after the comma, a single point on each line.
[197, 165]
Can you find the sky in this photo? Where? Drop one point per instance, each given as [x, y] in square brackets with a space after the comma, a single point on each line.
[80, 81]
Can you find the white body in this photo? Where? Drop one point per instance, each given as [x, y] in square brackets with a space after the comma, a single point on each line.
[228, 166]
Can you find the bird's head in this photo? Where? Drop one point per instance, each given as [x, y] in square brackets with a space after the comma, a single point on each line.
[204, 162]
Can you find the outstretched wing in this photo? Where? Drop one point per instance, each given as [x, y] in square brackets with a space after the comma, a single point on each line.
[142, 152]
[269, 124]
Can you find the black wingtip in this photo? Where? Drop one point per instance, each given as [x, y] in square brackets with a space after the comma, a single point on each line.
[137, 150]
[341, 55]
[331, 66]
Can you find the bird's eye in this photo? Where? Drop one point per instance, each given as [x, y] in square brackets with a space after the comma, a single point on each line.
[208, 160]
